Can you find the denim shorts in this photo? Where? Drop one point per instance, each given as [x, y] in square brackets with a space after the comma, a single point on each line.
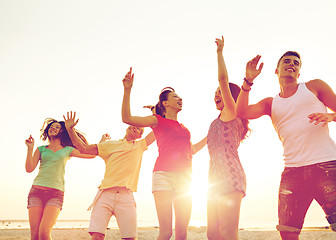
[172, 181]
[38, 197]
[299, 186]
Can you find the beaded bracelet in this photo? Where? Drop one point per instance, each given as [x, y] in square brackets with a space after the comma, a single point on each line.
[248, 83]
[245, 90]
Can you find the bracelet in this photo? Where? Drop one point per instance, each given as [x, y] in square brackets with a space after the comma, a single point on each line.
[152, 108]
[245, 90]
[248, 83]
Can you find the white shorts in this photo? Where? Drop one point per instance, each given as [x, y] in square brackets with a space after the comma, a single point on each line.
[117, 202]
[171, 181]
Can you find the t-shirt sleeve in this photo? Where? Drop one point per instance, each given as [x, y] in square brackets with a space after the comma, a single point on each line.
[41, 148]
[143, 144]
[105, 149]
[70, 149]
[159, 118]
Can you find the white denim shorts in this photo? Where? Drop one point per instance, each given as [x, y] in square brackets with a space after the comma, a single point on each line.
[171, 181]
[119, 203]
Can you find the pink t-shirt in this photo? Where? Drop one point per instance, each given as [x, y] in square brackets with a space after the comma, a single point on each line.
[173, 140]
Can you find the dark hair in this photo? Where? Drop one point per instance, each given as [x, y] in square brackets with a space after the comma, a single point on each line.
[235, 90]
[159, 108]
[63, 134]
[290, 53]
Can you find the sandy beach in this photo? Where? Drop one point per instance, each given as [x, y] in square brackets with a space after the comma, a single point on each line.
[149, 233]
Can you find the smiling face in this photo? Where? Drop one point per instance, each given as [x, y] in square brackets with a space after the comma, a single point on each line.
[133, 133]
[54, 130]
[218, 99]
[174, 102]
[289, 67]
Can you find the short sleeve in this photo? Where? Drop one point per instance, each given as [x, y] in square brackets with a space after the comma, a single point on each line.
[69, 150]
[105, 149]
[143, 144]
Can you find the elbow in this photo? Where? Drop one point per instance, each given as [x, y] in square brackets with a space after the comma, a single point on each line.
[126, 119]
[29, 170]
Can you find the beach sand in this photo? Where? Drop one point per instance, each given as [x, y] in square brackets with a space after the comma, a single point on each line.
[149, 233]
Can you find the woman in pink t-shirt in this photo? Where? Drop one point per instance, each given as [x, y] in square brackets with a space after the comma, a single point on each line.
[172, 170]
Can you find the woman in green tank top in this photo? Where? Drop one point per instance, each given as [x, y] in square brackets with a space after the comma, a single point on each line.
[45, 199]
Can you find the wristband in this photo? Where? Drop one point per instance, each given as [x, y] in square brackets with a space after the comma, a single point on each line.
[248, 83]
[245, 90]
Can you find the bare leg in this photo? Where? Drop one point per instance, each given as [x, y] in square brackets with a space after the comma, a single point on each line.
[50, 215]
[35, 216]
[163, 203]
[182, 208]
[213, 220]
[228, 212]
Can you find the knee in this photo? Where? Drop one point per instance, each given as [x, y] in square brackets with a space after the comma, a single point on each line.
[98, 236]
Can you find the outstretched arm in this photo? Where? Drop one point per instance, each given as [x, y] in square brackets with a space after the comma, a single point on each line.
[31, 160]
[82, 150]
[105, 137]
[223, 78]
[327, 96]
[198, 146]
[243, 109]
[150, 138]
[149, 121]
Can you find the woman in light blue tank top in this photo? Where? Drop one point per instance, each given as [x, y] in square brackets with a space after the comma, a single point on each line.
[227, 180]
[45, 199]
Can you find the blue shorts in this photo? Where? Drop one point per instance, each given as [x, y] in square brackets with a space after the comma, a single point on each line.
[299, 186]
[45, 197]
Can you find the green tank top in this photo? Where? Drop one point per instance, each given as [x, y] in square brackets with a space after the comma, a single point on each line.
[52, 167]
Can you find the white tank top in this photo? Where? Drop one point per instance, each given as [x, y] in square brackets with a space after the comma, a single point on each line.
[304, 143]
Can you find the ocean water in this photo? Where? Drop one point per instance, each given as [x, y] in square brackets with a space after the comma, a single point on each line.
[78, 224]
[68, 224]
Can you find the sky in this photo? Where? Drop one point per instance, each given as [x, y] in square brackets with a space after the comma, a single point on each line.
[71, 55]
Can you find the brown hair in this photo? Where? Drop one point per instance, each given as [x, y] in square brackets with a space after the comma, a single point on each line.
[235, 90]
[63, 134]
[289, 53]
[159, 108]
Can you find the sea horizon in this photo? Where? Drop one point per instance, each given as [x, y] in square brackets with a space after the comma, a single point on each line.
[84, 223]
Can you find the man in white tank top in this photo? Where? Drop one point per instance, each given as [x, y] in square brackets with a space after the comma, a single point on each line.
[299, 115]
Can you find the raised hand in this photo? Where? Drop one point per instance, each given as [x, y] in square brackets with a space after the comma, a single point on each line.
[321, 117]
[251, 68]
[105, 137]
[151, 107]
[30, 142]
[70, 121]
[128, 79]
[220, 44]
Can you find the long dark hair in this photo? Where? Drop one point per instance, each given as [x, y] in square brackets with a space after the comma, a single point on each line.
[63, 134]
[235, 90]
[159, 108]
